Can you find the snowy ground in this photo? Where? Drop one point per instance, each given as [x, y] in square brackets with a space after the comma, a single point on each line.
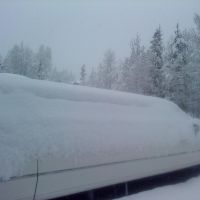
[189, 190]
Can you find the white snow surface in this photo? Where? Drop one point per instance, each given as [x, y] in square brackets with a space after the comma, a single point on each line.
[85, 126]
[184, 191]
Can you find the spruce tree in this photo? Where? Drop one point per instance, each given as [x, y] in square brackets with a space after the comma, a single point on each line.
[156, 59]
[178, 62]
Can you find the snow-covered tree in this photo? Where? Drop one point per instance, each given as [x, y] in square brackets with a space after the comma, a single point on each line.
[83, 75]
[178, 60]
[197, 23]
[43, 63]
[192, 37]
[126, 78]
[92, 79]
[22, 60]
[19, 60]
[135, 69]
[106, 71]
[156, 58]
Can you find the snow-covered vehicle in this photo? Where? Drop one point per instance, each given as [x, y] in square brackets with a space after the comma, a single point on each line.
[58, 139]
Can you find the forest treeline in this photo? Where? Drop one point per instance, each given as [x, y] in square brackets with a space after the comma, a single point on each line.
[170, 70]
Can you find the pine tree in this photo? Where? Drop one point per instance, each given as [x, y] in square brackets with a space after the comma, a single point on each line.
[178, 60]
[156, 58]
[193, 67]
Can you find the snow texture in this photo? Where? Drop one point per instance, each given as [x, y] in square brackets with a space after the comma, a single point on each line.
[85, 126]
[182, 191]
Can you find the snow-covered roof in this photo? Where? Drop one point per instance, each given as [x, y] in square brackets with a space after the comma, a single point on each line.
[83, 125]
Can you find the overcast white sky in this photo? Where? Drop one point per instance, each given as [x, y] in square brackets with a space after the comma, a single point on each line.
[79, 31]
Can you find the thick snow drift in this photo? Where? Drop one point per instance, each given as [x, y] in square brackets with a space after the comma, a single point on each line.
[84, 126]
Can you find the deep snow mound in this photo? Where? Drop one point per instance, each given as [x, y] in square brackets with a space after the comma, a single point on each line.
[85, 126]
